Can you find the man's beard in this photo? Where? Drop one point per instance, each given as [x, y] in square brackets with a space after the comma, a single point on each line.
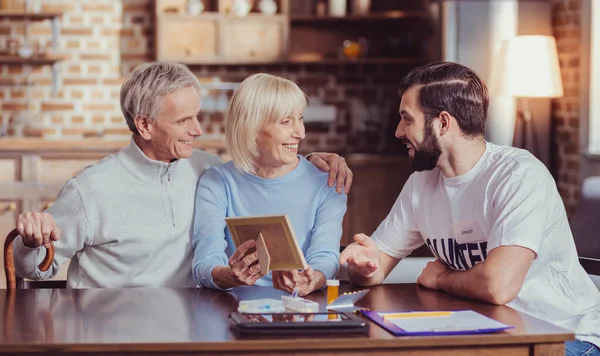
[426, 157]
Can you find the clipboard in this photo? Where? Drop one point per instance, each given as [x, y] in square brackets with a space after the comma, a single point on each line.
[427, 323]
[276, 244]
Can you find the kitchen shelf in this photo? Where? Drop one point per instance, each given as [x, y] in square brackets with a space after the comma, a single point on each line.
[177, 16]
[372, 60]
[25, 15]
[47, 59]
[392, 15]
[288, 37]
[8, 144]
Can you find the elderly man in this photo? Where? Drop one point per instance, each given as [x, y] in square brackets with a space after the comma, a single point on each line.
[126, 221]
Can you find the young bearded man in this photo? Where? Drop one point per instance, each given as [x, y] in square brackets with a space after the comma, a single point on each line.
[490, 214]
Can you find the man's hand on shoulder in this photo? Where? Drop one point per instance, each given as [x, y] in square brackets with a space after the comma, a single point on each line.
[339, 173]
[431, 273]
[37, 229]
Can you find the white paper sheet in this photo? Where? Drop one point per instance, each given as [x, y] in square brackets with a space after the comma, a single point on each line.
[464, 320]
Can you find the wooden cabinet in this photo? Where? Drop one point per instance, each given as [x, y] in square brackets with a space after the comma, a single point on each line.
[254, 38]
[7, 170]
[302, 31]
[173, 43]
[218, 36]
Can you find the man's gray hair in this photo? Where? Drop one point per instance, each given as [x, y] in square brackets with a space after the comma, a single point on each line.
[147, 84]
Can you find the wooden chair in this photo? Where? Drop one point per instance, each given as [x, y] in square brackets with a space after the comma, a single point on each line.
[14, 282]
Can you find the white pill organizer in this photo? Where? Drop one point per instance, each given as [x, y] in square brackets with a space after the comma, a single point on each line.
[300, 304]
[261, 306]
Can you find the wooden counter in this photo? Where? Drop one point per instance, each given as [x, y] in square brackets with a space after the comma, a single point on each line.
[40, 145]
[32, 172]
[184, 321]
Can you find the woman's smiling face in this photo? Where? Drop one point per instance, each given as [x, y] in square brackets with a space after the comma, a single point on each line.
[278, 145]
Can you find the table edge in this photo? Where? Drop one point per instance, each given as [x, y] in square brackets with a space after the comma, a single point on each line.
[294, 344]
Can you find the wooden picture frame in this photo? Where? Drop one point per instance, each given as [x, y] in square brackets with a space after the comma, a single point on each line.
[277, 247]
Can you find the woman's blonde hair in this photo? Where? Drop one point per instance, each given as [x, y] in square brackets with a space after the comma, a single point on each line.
[260, 100]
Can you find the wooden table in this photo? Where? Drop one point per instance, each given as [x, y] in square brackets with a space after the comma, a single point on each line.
[185, 321]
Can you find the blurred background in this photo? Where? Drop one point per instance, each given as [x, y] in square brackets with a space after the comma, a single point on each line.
[62, 63]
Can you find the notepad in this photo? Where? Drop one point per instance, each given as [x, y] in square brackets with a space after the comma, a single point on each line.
[435, 322]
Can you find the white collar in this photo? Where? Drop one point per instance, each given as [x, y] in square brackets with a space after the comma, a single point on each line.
[142, 167]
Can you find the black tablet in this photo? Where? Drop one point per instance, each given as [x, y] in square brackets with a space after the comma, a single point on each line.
[297, 323]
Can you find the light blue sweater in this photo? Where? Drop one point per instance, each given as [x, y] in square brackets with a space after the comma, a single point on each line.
[315, 211]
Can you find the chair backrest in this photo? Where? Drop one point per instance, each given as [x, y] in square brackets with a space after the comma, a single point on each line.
[12, 281]
[592, 267]
[585, 226]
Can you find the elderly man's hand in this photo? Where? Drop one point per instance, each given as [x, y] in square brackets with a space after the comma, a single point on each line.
[307, 280]
[37, 229]
[431, 274]
[337, 168]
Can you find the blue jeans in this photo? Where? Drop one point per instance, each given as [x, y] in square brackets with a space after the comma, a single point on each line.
[581, 348]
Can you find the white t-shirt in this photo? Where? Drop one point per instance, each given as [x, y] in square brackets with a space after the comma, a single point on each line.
[507, 198]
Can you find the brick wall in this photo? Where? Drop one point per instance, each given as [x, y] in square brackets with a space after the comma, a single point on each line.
[366, 97]
[566, 155]
[87, 100]
[104, 39]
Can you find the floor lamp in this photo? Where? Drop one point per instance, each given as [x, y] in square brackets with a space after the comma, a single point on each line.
[524, 134]
[533, 72]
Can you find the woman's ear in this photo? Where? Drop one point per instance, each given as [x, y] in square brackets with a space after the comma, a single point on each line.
[143, 126]
[445, 122]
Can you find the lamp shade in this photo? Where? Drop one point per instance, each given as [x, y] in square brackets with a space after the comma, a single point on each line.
[532, 67]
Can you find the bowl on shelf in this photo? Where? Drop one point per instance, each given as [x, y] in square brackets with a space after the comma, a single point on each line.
[352, 50]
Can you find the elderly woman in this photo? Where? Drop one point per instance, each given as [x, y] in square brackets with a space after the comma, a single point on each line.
[266, 177]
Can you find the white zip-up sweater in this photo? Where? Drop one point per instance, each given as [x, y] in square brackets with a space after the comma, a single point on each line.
[126, 222]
